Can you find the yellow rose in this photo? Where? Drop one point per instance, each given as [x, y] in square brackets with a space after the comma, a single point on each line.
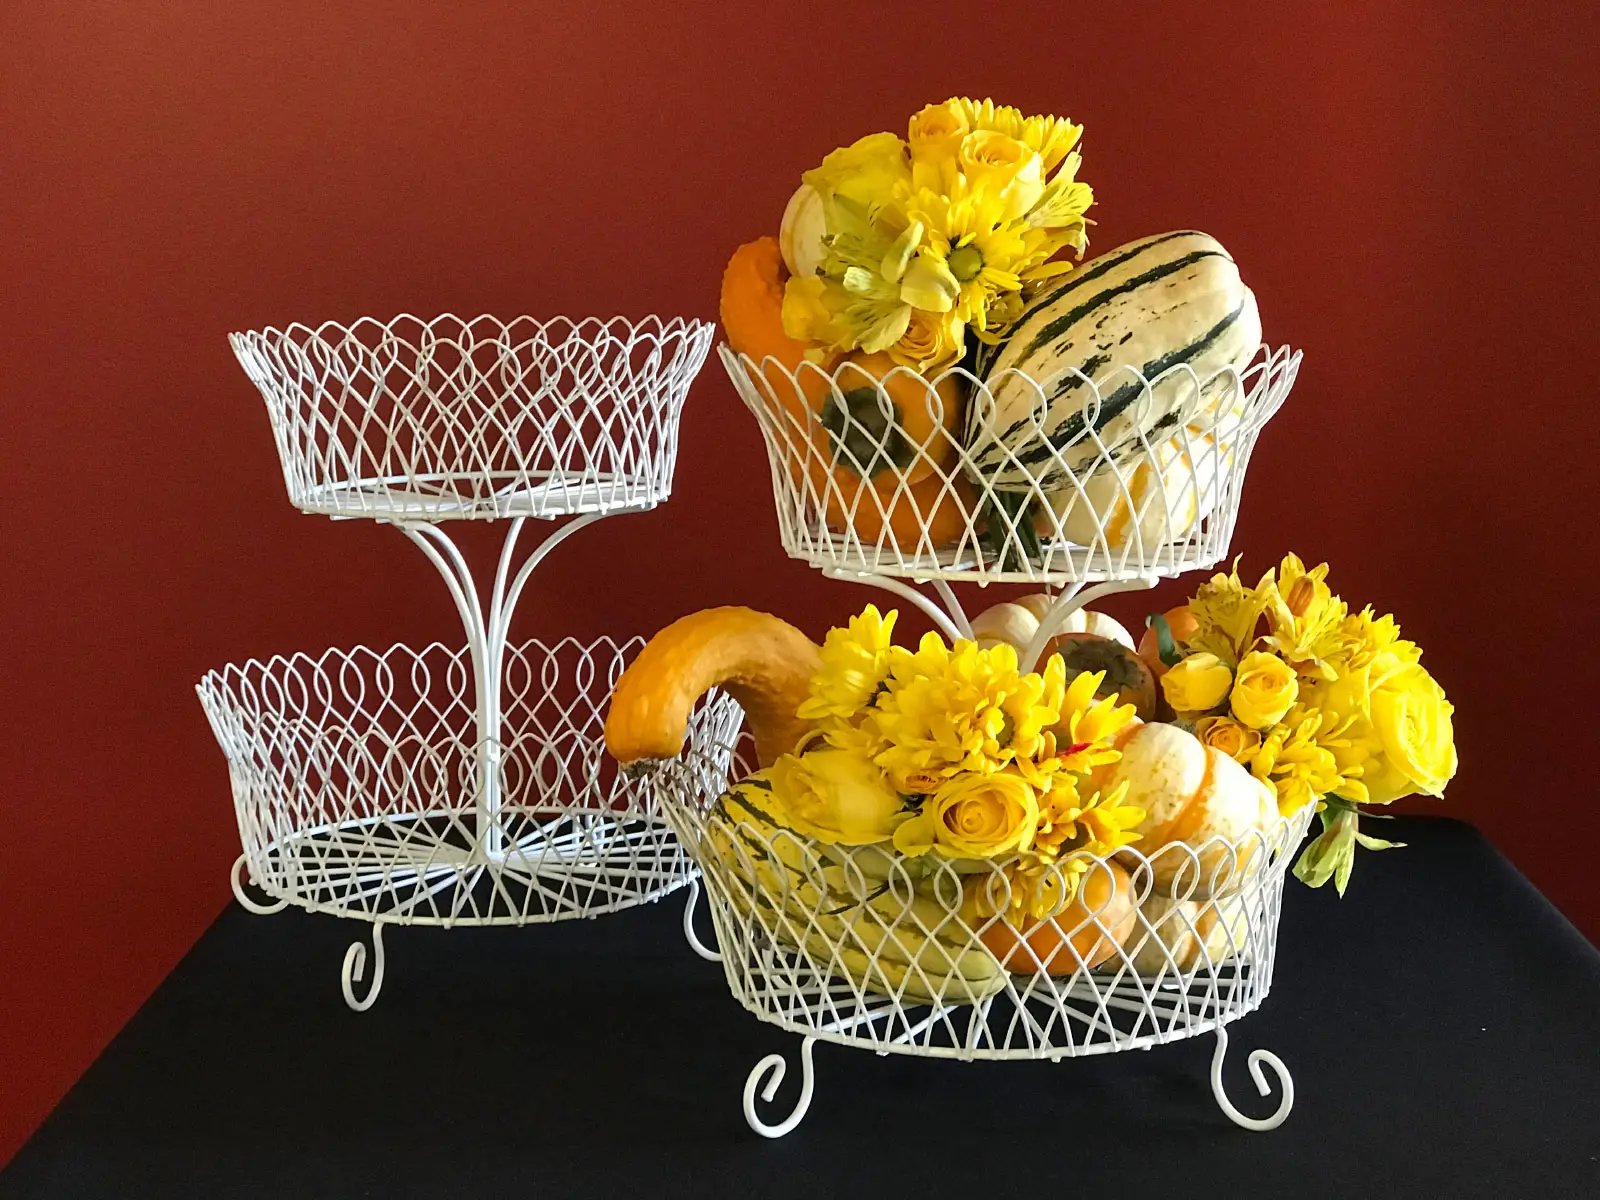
[973, 816]
[1401, 738]
[931, 342]
[1002, 165]
[1238, 742]
[864, 172]
[1197, 684]
[1264, 689]
[835, 796]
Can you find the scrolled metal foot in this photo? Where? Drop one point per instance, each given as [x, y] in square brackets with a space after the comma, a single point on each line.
[689, 935]
[249, 905]
[355, 969]
[1255, 1060]
[777, 1067]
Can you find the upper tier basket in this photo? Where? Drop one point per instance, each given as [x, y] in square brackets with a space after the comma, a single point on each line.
[1009, 479]
[415, 420]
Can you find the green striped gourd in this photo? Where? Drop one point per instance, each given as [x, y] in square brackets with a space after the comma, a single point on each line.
[1156, 305]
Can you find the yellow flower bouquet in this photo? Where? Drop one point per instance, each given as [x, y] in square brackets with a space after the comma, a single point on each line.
[1322, 705]
[933, 822]
[936, 372]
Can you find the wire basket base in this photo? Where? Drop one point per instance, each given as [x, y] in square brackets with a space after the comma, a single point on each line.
[432, 869]
[447, 497]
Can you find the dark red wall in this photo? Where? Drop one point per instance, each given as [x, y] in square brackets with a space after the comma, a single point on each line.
[1409, 187]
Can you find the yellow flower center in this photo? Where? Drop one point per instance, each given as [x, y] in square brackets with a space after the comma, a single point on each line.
[965, 262]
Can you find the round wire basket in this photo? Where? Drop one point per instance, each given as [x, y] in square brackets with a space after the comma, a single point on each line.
[428, 420]
[917, 956]
[958, 477]
[357, 785]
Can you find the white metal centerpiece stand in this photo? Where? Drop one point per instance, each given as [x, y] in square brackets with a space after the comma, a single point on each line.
[455, 786]
[831, 943]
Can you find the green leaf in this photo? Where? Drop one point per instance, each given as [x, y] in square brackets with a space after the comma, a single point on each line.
[1166, 644]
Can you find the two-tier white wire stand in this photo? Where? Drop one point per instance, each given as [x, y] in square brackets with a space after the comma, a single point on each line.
[1147, 491]
[455, 785]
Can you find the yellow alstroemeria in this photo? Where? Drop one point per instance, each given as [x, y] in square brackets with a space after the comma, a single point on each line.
[1227, 616]
[1305, 620]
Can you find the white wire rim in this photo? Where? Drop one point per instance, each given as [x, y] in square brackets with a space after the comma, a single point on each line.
[452, 418]
[354, 776]
[1141, 478]
[860, 948]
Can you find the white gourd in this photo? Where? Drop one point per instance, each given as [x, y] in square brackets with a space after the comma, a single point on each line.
[1187, 935]
[1016, 621]
[1171, 307]
[1168, 493]
[1206, 817]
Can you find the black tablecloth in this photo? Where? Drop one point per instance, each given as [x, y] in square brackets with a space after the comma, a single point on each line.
[1442, 1024]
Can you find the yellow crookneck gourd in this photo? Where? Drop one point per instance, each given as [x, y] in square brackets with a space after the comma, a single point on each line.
[763, 662]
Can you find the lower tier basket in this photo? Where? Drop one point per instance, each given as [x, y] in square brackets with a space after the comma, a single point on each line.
[358, 782]
[866, 949]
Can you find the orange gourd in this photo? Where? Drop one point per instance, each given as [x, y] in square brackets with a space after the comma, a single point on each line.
[1183, 625]
[931, 514]
[1083, 934]
[752, 318]
[926, 421]
[763, 662]
[910, 437]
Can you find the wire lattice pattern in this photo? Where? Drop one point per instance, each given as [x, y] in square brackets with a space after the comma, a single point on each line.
[452, 418]
[355, 778]
[1143, 478]
[863, 948]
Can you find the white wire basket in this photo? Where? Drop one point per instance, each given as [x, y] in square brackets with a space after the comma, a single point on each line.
[356, 776]
[428, 420]
[913, 956]
[958, 478]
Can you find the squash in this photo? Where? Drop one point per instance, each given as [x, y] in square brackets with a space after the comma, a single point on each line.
[802, 229]
[1083, 934]
[1205, 815]
[1186, 936]
[1127, 677]
[763, 662]
[751, 308]
[1164, 306]
[1016, 621]
[1150, 498]
[886, 420]
[1183, 626]
[932, 515]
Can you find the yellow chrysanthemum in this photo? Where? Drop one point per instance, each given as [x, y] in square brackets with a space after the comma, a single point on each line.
[942, 712]
[1299, 769]
[1305, 620]
[1088, 724]
[1036, 888]
[1227, 615]
[1365, 637]
[1100, 825]
[855, 662]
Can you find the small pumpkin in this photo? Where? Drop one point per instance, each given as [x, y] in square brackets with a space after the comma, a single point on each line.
[931, 515]
[1017, 621]
[1205, 815]
[1183, 625]
[889, 423]
[763, 662]
[1184, 935]
[1126, 675]
[752, 318]
[1085, 933]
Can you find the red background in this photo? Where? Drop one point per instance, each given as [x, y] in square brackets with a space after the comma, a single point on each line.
[1409, 188]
